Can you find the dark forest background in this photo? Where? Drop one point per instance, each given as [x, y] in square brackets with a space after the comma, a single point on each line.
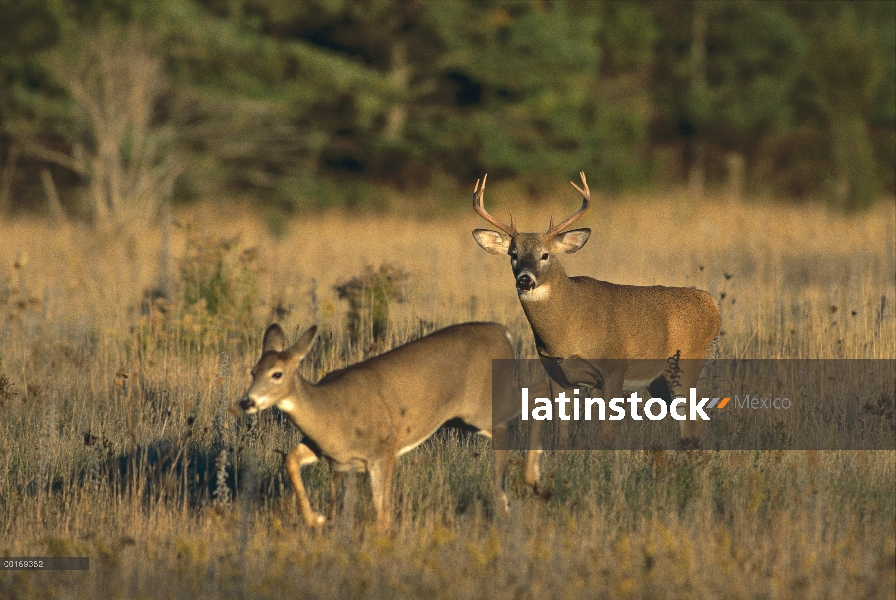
[108, 103]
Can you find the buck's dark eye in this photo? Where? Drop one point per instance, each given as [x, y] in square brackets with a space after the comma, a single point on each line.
[513, 256]
[277, 374]
[544, 256]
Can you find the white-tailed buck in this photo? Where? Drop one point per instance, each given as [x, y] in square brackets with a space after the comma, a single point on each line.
[363, 417]
[612, 328]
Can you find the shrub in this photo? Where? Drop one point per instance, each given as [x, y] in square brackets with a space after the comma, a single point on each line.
[369, 296]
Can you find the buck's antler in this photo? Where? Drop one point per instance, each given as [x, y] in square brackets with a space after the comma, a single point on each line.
[479, 207]
[586, 195]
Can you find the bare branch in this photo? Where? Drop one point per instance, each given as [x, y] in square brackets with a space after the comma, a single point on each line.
[32, 148]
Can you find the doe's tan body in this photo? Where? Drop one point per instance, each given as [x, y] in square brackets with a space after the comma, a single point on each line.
[362, 417]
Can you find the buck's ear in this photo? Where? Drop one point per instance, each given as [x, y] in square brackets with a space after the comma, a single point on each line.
[274, 339]
[570, 241]
[492, 241]
[298, 350]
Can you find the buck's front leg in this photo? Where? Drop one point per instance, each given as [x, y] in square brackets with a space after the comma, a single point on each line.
[613, 383]
[303, 455]
[562, 436]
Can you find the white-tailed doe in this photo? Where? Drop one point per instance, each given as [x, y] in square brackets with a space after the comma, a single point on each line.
[363, 417]
[612, 327]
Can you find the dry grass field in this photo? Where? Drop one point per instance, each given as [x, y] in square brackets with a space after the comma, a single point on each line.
[116, 441]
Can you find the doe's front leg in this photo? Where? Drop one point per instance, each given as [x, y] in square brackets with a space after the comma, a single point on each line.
[303, 455]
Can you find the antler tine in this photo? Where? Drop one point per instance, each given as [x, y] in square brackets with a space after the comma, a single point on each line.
[479, 207]
[586, 201]
[586, 193]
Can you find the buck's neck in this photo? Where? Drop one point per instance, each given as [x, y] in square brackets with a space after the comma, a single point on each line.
[549, 309]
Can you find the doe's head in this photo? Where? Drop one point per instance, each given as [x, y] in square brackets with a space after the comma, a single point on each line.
[274, 375]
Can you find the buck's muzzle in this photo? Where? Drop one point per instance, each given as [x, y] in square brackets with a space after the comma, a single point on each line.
[525, 283]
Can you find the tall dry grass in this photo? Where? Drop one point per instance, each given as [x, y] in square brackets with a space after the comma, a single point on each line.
[112, 433]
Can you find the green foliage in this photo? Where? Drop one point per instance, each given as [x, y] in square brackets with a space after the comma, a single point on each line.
[856, 184]
[6, 388]
[369, 296]
[847, 66]
[307, 104]
[218, 279]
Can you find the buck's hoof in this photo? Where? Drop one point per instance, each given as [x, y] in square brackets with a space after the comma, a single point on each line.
[543, 492]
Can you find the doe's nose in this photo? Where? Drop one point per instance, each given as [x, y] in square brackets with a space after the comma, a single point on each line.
[247, 403]
[525, 283]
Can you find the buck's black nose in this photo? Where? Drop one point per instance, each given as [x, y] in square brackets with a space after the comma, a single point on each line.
[525, 283]
[247, 403]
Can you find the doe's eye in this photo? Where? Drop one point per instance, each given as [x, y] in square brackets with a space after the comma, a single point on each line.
[544, 256]
[277, 375]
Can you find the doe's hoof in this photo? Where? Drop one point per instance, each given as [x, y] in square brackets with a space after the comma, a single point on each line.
[316, 520]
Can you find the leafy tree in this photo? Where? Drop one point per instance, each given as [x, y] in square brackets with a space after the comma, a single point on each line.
[301, 104]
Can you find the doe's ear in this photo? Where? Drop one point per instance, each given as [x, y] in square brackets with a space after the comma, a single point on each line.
[298, 350]
[492, 241]
[274, 339]
[570, 241]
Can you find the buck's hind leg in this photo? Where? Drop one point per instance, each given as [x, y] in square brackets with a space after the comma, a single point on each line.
[691, 431]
